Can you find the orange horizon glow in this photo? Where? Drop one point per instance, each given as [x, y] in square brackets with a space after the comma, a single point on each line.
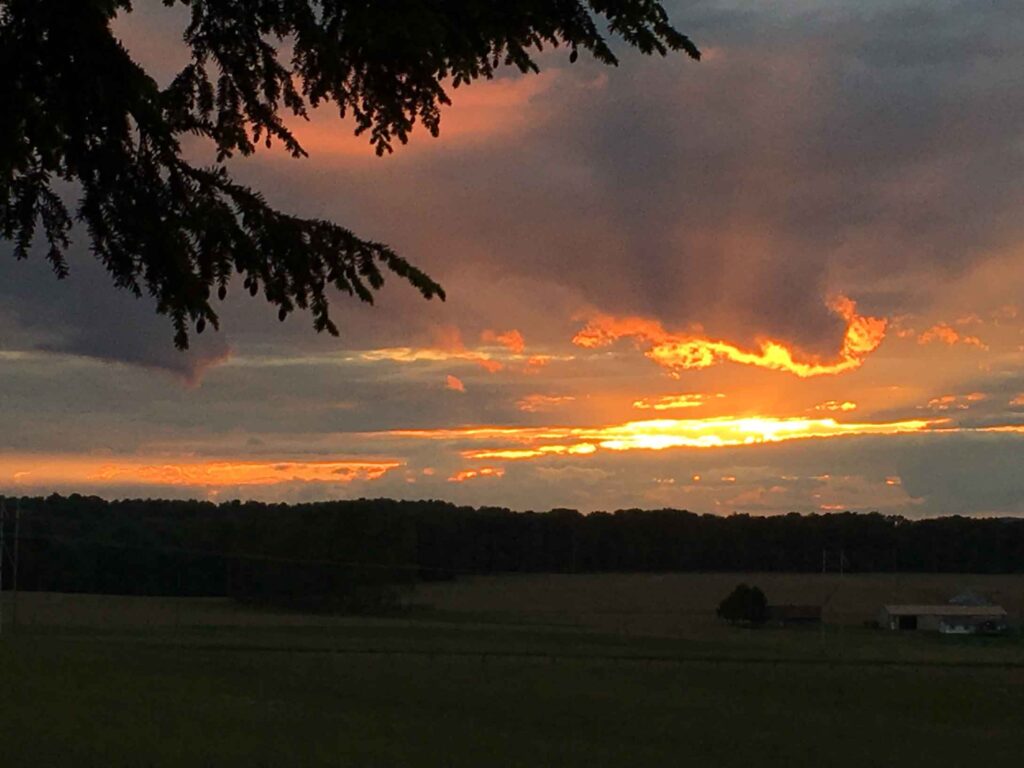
[91, 470]
[655, 435]
[688, 352]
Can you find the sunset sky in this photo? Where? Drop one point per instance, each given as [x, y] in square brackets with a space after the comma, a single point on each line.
[787, 278]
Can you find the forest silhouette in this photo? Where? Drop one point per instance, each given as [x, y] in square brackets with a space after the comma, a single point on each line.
[356, 554]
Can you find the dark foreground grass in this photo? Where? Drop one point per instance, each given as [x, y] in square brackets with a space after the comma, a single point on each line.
[258, 697]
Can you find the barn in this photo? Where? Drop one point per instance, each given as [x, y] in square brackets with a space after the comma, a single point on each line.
[947, 619]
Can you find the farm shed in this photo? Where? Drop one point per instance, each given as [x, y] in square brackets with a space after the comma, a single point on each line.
[948, 619]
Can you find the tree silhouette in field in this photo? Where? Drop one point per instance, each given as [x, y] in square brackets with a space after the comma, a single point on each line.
[744, 605]
[79, 114]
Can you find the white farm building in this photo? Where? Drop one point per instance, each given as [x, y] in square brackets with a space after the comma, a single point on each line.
[947, 619]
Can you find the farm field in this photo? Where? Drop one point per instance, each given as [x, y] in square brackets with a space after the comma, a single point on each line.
[511, 671]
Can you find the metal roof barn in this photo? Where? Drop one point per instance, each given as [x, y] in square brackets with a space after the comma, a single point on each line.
[947, 619]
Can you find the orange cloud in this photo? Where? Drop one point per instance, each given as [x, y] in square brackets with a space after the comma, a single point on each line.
[472, 474]
[946, 334]
[681, 351]
[835, 405]
[489, 365]
[534, 365]
[534, 403]
[512, 454]
[479, 111]
[453, 383]
[410, 355]
[955, 402]
[511, 340]
[431, 355]
[672, 402]
[449, 347]
[50, 470]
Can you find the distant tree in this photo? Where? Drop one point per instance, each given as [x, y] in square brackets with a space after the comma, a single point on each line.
[744, 605]
[77, 108]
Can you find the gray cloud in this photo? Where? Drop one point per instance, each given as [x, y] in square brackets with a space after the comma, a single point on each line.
[869, 147]
[818, 147]
[860, 148]
[85, 315]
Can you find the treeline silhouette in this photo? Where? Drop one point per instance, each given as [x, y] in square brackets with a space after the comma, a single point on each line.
[360, 554]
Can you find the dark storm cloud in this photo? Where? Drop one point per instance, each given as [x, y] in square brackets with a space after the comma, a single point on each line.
[85, 315]
[819, 147]
[871, 143]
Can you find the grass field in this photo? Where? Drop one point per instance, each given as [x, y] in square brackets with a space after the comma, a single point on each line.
[591, 671]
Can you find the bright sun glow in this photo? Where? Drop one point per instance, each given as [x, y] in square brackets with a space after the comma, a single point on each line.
[655, 435]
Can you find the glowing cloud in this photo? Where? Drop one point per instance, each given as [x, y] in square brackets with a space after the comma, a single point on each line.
[506, 353]
[454, 384]
[472, 474]
[412, 355]
[534, 364]
[511, 340]
[955, 402]
[513, 454]
[672, 402]
[682, 351]
[835, 405]
[491, 366]
[946, 334]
